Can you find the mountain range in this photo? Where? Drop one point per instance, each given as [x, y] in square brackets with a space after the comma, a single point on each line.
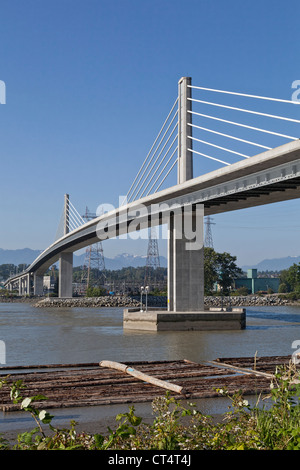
[275, 264]
[27, 255]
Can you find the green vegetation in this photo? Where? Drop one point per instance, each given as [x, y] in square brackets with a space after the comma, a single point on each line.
[95, 291]
[290, 278]
[241, 291]
[219, 268]
[7, 270]
[275, 426]
[125, 274]
[290, 283]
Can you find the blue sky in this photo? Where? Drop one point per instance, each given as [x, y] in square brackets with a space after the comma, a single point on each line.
[89, 84]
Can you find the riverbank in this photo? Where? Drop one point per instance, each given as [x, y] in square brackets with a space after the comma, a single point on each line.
[152, 301]
[161, 301]
[17, 299]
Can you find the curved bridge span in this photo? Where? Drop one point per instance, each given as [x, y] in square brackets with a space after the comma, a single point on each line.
[268, 177]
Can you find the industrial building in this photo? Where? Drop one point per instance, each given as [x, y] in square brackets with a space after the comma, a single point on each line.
[257, 284]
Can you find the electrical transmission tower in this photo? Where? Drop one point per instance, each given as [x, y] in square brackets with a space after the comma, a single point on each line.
[94, 263]
[208, 242]
[152, 255]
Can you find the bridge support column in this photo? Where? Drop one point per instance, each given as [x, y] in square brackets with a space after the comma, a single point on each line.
[186, 263]
[185, 156]
[20, 286]
[28, 284]
[65, 275]
[38, 288]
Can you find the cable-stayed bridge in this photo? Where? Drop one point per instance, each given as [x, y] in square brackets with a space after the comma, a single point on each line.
[209, 157]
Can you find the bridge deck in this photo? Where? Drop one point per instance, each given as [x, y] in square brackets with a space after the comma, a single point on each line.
[75, 385]
[266, 178]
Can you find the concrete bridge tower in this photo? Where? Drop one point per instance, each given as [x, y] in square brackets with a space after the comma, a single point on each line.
[185, 267]
[65, 283]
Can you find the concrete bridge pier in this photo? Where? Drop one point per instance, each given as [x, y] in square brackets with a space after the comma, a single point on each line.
[65, 275]
[38, 287]
[28, 284]
[186, 263]
[21, 286]
[24, 285]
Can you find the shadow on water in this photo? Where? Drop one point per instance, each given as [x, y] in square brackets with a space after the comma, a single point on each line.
[269, 327]
[282, 314]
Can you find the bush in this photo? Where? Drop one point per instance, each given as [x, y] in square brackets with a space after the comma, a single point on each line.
[282, 289]
[241, 291]
[95, 291]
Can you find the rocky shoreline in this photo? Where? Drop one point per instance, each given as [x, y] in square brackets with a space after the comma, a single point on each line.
[87, 302]
[161, 301]
[248, 301]
[153, 301]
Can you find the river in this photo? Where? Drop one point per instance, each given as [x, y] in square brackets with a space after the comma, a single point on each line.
[55, 335]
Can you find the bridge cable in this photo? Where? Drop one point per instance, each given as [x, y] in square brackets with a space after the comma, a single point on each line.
[60, 227]
[211, 158]
[72, 222]
[76, 213]
[167, 174]
[217, 146]
[244, 94]
[229, 136]
[244, 110]
[137, 190]
[154, 143]
[165, 166]
[244, 125]
[174, 140]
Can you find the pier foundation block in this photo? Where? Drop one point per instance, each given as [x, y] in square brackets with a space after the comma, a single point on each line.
[164, 320]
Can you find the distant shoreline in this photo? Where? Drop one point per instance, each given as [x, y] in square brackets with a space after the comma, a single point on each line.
[153, 301]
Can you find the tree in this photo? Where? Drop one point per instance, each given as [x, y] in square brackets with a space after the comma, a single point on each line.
[210, 269]
[227, 271]
[219, 268]
[291, 277]
[6, 270]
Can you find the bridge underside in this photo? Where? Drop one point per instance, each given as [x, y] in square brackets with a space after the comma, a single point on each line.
[268, 194]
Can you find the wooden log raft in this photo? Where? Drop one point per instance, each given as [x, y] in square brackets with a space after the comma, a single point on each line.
[141, 376]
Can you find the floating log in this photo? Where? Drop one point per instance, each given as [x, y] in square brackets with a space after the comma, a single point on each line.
[141, 376]
[241, 370]
[76, 385]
